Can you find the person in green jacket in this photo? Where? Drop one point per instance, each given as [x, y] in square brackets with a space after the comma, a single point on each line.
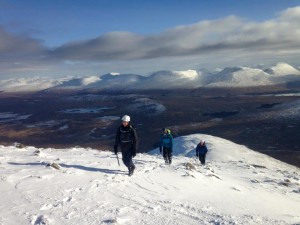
[166, 145]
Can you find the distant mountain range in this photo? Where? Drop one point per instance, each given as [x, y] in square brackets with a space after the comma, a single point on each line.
[228, 77]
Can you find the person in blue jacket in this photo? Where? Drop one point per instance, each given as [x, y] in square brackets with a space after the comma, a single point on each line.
[201, 151]
[166, 145]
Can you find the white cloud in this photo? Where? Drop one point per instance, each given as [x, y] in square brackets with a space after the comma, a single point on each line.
[291, 14]
[231, 36]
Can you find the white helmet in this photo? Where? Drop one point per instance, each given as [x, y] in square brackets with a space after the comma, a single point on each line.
[126, 118]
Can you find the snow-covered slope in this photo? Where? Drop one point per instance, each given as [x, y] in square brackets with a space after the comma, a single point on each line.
[281, 111]
[237, 186]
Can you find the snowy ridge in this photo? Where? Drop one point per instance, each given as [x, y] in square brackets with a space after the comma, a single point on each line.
[28, 84]
[169, 80]
[228, 77]
[237, 186]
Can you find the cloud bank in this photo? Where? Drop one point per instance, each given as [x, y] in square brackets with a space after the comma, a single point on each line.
[231, 36]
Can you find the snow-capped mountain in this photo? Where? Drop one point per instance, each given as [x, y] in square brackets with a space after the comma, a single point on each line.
[282, 69]
[282, 72]
[228, 77]
[240, 77]
[236, 186]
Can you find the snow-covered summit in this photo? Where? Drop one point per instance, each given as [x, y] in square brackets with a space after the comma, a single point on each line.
[282, 69]
[90, 80]
[237, 186]
[189, 74]
[115, 74]
[169, 75]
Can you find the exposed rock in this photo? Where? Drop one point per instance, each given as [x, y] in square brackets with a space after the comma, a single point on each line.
[258, 166]
[37, 152]
[190, 166]
[286, 182]
[19, 145]
[54, 165]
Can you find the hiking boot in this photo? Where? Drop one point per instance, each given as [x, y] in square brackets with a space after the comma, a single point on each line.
[131, 169]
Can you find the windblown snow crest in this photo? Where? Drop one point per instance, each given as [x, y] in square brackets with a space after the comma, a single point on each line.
[228, 77]
[86, 186]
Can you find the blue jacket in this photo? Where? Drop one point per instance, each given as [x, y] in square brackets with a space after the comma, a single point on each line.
[201, 149]
[166, 140]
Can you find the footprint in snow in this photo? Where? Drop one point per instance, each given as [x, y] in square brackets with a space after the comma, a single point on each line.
[116, 221]
[57, 205]
[74, 190]
[235, 189]
[109, 221]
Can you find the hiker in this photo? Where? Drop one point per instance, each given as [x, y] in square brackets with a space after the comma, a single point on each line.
[201, 151]
[166, 145]
[126, 138]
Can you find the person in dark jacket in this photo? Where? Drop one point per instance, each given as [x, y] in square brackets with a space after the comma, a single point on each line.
[126, 139]
[166, 145]
[201, 151]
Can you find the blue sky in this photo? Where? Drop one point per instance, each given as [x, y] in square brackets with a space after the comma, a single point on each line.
[89, 37]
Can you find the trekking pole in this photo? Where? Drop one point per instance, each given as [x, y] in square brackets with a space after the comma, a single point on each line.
[118, 159]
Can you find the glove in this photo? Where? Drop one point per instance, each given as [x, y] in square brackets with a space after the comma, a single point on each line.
[116, 149]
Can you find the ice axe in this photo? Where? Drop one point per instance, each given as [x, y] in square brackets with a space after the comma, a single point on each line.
[118, 159]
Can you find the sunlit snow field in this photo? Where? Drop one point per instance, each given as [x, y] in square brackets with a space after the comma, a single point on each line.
[237, 186]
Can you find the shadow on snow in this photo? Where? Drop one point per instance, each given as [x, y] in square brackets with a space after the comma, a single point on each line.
[90, 169]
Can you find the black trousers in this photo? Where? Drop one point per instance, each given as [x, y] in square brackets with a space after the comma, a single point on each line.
[127, 153]
[167, 154]
[202, 158]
